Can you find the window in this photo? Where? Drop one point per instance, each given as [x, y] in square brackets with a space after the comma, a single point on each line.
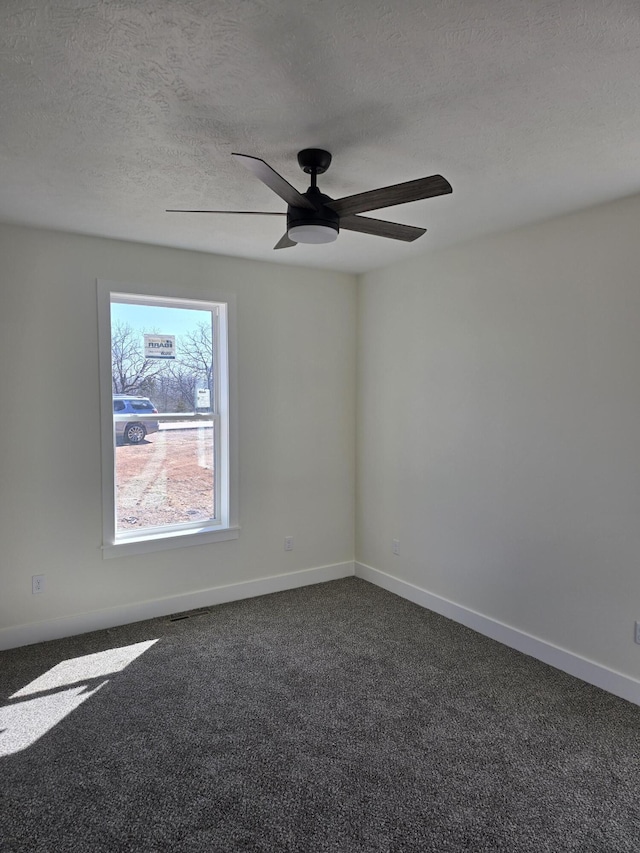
[168, 426]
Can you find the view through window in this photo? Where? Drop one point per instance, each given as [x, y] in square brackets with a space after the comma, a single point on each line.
[169, 391]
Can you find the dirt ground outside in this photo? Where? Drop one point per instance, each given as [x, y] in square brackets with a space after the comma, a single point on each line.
[167, 479]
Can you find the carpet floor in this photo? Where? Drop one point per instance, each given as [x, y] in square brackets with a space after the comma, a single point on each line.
[336, 717]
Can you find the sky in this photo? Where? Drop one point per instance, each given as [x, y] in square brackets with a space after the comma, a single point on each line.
[160, 320]
[156, 318]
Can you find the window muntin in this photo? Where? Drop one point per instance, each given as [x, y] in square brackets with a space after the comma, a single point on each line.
[173, 485]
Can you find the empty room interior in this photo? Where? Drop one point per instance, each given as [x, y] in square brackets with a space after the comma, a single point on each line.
[392, 602]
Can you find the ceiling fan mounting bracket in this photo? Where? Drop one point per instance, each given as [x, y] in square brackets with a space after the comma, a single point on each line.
[314, 160]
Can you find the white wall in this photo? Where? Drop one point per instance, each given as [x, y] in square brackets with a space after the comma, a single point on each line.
[296, 375]
[498, 411]
[499, 429]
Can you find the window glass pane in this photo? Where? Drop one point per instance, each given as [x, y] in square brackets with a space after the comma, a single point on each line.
[162, 371]
[167, 479]
[170, 379]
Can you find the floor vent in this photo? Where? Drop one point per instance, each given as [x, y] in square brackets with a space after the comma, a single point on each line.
[189, 614]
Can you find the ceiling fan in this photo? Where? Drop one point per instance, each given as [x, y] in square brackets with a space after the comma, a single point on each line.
[313, 217]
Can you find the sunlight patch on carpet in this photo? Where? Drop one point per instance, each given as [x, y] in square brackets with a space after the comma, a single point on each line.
[64, 687]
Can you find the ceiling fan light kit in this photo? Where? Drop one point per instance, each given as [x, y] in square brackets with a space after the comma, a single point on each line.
[312, 233]
[313, 217]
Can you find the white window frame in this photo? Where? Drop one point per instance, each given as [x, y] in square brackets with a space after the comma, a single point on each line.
[226, 525]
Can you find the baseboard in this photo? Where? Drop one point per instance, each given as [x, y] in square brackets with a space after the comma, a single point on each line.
[96, 620]
[587, 670]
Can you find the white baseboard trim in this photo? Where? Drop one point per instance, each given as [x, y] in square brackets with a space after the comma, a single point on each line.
[587, 670]
[96, 620]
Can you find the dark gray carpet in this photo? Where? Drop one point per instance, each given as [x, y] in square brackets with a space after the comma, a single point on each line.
[332, 718]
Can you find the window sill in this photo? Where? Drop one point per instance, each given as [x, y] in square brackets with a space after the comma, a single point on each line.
[167, 541]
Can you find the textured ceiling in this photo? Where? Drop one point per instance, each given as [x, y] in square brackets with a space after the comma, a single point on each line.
[112, 111]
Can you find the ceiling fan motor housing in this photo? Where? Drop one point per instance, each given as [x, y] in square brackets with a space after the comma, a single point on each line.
[323, 215]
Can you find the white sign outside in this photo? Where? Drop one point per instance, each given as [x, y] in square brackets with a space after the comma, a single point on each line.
[160, 346]
[203, 398]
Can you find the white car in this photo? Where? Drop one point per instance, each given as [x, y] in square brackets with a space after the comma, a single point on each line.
[134, 431]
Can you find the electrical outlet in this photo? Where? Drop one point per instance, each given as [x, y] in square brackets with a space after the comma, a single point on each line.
[288, 543]
[395, 547]
[637, 633]
[37, 584]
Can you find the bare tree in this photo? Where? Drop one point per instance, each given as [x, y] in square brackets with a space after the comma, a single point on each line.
[175, 390]
[131, 372]
[171, 384]
[197, 356]
[184, 383]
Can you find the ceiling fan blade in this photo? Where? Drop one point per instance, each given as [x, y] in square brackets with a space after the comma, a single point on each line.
[388, 196]
[274, 181]
[235, 212]
[380, 228]
[284, 242]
